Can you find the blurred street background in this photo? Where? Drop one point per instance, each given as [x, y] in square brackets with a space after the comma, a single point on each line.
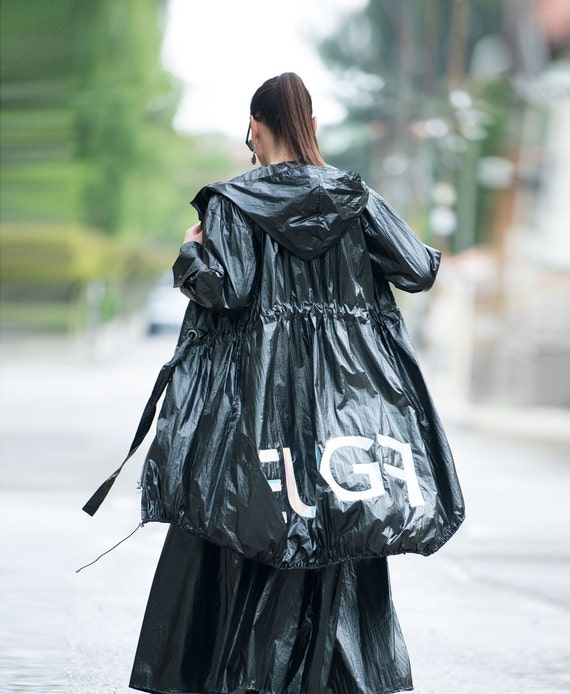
[114, 113]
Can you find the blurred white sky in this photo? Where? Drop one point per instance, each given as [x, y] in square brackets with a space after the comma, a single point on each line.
[223, 50]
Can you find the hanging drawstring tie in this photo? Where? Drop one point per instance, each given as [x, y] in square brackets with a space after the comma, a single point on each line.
[92, 506]
[140, 525]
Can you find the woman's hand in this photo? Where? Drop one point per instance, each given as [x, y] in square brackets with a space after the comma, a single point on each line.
[194, 234]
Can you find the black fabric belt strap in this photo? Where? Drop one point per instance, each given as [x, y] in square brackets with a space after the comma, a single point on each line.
[92, 506]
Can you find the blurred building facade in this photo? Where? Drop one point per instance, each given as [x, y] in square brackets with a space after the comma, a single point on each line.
[521, 326]
[459, 114]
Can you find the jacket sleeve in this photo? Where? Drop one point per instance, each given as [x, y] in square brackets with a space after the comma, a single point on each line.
[395, 250]
[219, 275]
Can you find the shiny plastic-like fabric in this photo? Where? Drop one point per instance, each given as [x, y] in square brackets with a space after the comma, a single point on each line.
[296, 447]
[218, 623]
[296, 427]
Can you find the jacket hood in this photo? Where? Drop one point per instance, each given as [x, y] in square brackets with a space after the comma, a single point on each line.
[307, 209]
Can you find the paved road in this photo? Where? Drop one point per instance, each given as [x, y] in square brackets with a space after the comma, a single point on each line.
[490, 613]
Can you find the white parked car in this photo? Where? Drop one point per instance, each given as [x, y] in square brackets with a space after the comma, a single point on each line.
[165, 307]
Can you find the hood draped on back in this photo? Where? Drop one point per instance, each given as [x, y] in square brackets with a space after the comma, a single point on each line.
[307, 209]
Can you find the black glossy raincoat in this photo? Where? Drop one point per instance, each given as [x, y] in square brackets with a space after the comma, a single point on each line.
[296, 428]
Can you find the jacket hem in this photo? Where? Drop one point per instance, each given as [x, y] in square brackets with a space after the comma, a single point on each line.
[244, 690]
[302, 566]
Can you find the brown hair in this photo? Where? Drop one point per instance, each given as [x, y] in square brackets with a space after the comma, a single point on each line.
[284, 104]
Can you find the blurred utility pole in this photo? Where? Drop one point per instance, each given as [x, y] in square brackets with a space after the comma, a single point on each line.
[466, 187]
[458, 43]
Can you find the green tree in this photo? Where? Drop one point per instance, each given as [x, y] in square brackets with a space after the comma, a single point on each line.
[417, 112]
[95, 180]
[119, 92]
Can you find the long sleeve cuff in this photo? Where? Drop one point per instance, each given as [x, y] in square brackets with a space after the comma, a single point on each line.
[189, 260]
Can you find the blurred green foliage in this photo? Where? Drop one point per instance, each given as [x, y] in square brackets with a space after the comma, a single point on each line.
[123, 103]
[95, 182]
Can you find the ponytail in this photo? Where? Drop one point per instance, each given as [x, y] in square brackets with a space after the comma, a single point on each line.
[284, 104]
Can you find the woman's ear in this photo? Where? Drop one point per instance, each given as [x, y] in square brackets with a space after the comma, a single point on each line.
[254, 130]
[315, 124]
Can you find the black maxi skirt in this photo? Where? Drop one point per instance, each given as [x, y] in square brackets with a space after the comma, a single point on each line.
[216, 623]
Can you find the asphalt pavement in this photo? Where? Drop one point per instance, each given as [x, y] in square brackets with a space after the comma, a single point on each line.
[489, 613]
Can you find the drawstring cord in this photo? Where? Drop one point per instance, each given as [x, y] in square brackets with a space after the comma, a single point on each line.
[140, 525]
[145, 423]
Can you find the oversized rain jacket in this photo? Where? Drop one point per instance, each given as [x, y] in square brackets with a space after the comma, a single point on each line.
[296, 427]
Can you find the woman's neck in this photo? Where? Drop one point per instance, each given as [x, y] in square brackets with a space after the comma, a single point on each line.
[278, 155]
[269, 149]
